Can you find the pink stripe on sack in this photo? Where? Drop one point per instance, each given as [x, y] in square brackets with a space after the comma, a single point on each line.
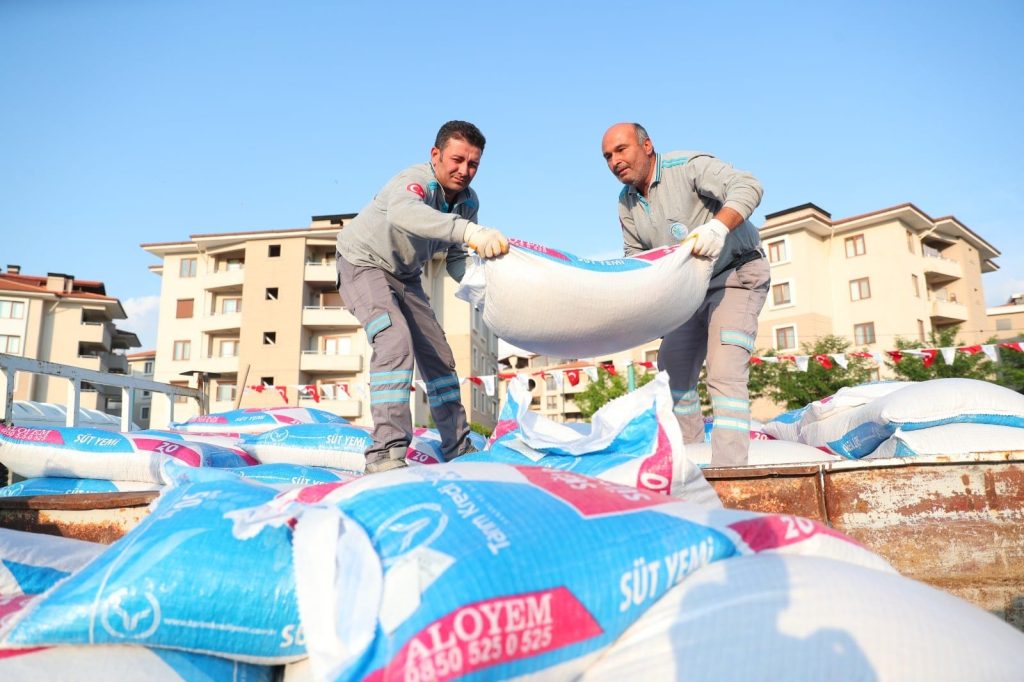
[775, 531]
[656, 254]
[656, 469]
[9, 606]
[208, 419]
[503, 427]
[539, 248]
[30, 435]
[591, 496]
[170, 448]
[493, 632]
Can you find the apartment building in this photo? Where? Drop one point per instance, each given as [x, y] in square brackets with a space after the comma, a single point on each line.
[872, 278]
[1007, 321]
[261, 309]
[58, 318]
[141, 365]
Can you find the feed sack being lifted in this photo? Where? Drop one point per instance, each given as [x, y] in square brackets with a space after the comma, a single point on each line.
[554, 303]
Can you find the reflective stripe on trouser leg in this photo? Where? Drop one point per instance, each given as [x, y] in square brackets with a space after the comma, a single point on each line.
[731, 330]
[437, 367]
[681, 355]
[372, 297]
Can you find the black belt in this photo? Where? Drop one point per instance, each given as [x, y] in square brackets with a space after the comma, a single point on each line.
[745, 258]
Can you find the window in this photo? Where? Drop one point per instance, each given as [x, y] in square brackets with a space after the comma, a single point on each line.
[777, 251]
[14, 310]
[274, 251]
[651, 356]
[144, 413]
[271, 293]
[864, 334]
[910, 241]
[860, 289]
[917, 287]
[146, 394]
[785, 338]
[182, 350]
[10, 344]
[184, 308]
[147, 367]
[855, 246]
[549, 383]
[228, 348]
[337, 345]
[234, 264]
[269, 338]
[781, 294]
[226, 391]
[552, 402]
[1003, 325]
[230, 305]
[267, 381]
[920, 330]
[187, 268]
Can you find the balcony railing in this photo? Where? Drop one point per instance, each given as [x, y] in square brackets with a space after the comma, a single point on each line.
[320, 271]
[96, 333]
[224, 279]
[221, 321]
[329, 317]
[318, 361]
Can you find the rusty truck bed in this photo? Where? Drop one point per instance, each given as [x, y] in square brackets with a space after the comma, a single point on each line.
[954, 522]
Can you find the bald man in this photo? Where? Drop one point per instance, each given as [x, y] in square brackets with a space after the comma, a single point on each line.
[667, 198]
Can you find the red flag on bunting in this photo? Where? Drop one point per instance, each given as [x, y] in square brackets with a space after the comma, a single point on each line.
[312, 391]
[754, 360]
[258, 388]
[283, 392]
[573, 375]
[609, 367]
[476, 380]
[1012, 345]
[646, 363]
[824, 360]
[895, 355]
[970, 350]
[929, 356]
[787, 358]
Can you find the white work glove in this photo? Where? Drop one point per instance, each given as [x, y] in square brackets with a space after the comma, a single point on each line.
[709, 238]
[486, 241]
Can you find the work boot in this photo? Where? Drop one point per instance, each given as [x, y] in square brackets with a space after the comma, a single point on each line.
[394, 458]
[466, 449]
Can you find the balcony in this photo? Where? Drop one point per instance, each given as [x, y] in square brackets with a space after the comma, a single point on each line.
[317, 361]
[112, 362]
[349, 409]
[329, 317]
[93, 362]
[321, 271]
[96, 334]
[944, 312]
[221, 322]
[224, 280]
[221, 364]
[939, 270]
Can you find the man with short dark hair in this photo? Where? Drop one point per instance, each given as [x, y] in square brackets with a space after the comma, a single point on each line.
[694, 196]
[425, 209]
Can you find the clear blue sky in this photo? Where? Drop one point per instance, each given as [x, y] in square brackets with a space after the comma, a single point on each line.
[126, 121]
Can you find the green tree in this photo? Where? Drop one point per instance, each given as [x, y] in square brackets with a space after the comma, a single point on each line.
[783, 383]
[1010, 370]
[912, 367]
[606, 388]
[481, 429]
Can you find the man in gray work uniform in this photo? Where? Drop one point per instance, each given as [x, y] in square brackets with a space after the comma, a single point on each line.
[425, 209]
[667, 198]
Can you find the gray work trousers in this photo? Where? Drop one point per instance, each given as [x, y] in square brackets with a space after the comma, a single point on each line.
[402, 329]
[722, 331]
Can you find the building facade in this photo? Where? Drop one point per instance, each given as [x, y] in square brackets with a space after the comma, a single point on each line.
[1007, 321]
[58, 318]
[873, 278]
[261, 310]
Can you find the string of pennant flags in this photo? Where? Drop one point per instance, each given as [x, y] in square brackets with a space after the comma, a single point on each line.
[928, 356]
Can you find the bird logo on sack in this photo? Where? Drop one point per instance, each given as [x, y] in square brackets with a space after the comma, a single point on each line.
[678, 231]
[131, 614]
[417, 189]
[408, 530]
